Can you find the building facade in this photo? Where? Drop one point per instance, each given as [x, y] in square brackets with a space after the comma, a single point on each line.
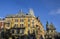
[51, 32]
[2, 22]
[21, 24]
[26, 26]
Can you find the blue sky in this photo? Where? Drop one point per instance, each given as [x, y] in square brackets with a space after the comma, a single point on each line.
[47, 10]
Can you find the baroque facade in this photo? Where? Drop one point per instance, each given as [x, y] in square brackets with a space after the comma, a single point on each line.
[2, 22]
[51, 32]
[22, 25]
[26, 26]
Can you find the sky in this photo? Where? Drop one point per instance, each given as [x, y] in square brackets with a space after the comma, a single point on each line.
[46, 10]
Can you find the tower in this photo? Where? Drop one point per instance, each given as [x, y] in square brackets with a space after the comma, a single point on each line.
[31, 12]
[50, 31]
[47, 25]
[52, 28]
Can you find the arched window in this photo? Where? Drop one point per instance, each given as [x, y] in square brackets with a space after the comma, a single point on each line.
[41, 37]
[12, 31]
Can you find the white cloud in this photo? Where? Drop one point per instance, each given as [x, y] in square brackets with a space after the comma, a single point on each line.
[1, 17]
[55, 12]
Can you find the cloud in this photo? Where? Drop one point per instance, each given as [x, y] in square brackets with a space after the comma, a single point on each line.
[55, 12]
[1, 17]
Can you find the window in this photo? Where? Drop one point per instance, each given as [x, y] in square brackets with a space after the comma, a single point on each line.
[12, 19]
[15, 25]
[33, 23]
[33, 31]
[51, 30]
[22, 31]
[8, 24]
[28, 20]
[28, 31]
[17, 31]
[21, 25]
[36, 26]
[16, 20]
[12, 31]
[21, 20]
[28, 25]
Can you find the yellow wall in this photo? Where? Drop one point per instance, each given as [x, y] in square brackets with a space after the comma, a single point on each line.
[12, 22]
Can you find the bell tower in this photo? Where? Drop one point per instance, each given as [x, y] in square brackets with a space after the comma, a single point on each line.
[47, 25]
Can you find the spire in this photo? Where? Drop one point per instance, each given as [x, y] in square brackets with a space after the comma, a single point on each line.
[52, 26]
[47, 25]
[31, 12]
[20, 11]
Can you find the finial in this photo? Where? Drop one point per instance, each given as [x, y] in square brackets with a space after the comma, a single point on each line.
[20, 11]
[47, 23]
[51, 24]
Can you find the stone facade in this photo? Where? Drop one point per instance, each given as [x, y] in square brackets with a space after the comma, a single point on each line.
[26, 26]
[21, 25]
[51, 32]
[2, 22]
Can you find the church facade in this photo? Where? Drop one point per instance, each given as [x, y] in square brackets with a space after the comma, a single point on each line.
[51, 32]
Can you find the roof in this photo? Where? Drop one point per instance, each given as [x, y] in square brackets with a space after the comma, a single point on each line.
[20, 14]
[51, 26]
